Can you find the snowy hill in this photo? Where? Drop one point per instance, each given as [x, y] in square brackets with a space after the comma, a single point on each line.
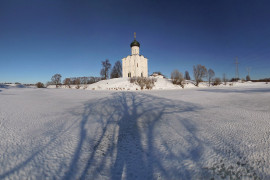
[123, 84]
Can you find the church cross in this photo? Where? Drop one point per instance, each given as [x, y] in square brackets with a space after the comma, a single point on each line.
[134, 35]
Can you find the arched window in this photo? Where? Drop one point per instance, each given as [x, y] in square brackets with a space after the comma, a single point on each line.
[141, 74]
[137, 64]
[129, 74]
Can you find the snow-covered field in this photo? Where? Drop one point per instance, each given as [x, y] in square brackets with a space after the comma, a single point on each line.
[197, 133]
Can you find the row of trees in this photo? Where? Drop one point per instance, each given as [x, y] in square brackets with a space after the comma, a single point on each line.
[105, 73]
[81, 80]
[56, 80]
[199, 72]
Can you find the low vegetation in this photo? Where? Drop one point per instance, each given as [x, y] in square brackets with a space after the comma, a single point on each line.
[177, 78]
[217, 81]
[143, 82]
[40, 85]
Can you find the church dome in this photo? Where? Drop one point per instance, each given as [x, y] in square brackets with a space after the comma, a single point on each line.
[135, 43]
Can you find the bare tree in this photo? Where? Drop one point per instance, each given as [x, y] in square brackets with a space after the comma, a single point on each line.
[78, 83]
[116, 70]
[56, 79]
[225, 80]
[211, 74]
[177, 78]
[187, 76]
[67, 82]
[199, 73]
[106, 66]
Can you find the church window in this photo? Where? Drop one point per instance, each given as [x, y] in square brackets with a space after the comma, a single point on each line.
[141, 74]
[137, 64]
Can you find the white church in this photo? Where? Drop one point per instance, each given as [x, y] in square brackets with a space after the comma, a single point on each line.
[135, 65]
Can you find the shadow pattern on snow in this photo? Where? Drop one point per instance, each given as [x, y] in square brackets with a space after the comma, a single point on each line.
[131, 139]
[53, 133]
[259, 90]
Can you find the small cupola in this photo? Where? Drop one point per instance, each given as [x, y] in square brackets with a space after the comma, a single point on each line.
[135, 43]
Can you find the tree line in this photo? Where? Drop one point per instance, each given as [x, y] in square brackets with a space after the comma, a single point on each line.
[200, 72]
[105, 73]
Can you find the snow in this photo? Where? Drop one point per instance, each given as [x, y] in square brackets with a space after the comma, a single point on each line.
[191, 133]
[123, 84]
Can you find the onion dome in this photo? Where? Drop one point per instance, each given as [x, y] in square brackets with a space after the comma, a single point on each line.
[135, 43]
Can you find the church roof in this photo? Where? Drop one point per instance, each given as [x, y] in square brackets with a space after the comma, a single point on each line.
[135, 43]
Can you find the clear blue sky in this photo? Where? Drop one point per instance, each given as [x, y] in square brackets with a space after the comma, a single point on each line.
[39, 38]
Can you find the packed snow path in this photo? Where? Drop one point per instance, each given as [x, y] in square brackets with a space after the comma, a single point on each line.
[173, 134]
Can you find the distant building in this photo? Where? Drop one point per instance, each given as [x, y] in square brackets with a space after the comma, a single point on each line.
[135, 65]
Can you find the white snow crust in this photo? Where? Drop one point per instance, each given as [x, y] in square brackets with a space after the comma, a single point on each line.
[191, 133]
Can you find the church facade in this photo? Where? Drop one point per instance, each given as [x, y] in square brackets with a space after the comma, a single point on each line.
[135, 65]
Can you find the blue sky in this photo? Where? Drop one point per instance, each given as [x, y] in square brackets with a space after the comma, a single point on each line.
[40, 38]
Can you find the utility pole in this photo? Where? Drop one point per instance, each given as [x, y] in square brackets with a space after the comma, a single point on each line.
[248, 70]
[236, 68]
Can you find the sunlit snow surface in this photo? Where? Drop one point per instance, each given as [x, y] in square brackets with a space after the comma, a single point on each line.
[197, 133]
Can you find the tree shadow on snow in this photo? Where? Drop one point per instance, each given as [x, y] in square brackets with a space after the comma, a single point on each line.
[124, 136]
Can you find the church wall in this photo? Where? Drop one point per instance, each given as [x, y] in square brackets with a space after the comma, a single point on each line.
[130, 65]
[135, 50]
[135, 64]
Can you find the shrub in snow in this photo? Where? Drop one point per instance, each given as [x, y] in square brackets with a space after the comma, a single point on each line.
[217, 81]
[77, 82]
[143, 82]
[177, 78]
[40, 85]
